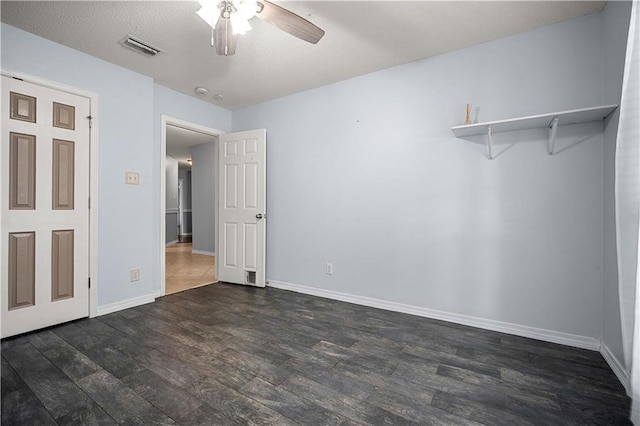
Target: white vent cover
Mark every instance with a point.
(139, 46)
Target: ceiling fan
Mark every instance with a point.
(231, 17)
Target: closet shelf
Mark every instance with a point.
(540, 121)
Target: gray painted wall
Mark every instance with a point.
(366, 174)
(171, 179)
(185, 199)
(203, 192)
(187, 223)
(171, 200)
(185, 196)
(129, 110)
(171, 227)
(615, 27)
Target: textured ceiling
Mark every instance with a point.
(361, 37)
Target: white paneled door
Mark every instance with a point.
(242, 208)
(44, 224)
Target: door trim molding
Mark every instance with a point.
(164, 121)
(93, 173)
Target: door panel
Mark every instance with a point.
(22, 269)
(250, 186)
(63, 174)
(230, 239)
(242, 212)
(22, 171)
(231, 186)
(44, 194)
(251, 247)
(61, 264)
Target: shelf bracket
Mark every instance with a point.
(553, 128)
(490, 142)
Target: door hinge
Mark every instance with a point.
(89, 281)
(90, 118)
(89, 203)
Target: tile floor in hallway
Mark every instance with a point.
(185, 270)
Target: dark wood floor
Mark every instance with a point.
(226, 354)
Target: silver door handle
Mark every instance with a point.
(260, 216)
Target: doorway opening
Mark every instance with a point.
(189, 200)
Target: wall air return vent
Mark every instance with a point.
(139, 46)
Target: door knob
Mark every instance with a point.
(259, 216)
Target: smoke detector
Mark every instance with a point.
(201, 91)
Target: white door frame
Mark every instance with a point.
(93, 174)
(164, 121)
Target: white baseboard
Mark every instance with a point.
(616, 366)
(206, 253)
(503, 327)
(126, 304)
(170, 243)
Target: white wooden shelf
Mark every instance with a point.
(540, 121)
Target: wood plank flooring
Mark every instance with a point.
(226, 354)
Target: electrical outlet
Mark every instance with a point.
(329, 269)
(135, 275)
(132, 178)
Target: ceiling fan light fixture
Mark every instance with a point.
(224, 40)
(245, 8)
(240, 13)
(239, 24)
(232, 17)
(209, 12)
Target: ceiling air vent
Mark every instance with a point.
(139, 46)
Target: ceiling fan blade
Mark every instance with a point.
(289, 22)
(223, 38)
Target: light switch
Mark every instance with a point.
(133, 178)
(135, 275)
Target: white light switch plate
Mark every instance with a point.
(135, 275)
(133, 178)
(329, 269)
